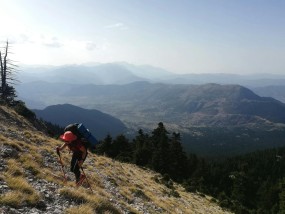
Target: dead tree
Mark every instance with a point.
(8, 71)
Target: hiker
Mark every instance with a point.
(79, 155)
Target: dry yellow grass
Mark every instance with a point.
(125, 192)
(14, 144)
(27, 134)
(80, 195)
(77, 195)
(12, 198)
(21, 192)
(20, 184)
(84, 208)
(29, 163)
(13, 168)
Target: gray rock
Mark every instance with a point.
(41, 205)
(9, 152)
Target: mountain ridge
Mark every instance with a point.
(166, 102)
(123, 73)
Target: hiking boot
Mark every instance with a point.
(82, 177)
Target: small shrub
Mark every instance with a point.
(156, 179)
(140, 193)
(174, 193)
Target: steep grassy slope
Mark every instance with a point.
(31, 180)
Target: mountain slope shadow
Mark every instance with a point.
(100, 124)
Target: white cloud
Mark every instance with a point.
(91, 46)
(118, 25)
(52, 42)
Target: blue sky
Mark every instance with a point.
(182, 36)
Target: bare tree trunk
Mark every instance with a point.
(7, 92)
(1, 66)
(5, 63)
(4, 79)
(2, 76)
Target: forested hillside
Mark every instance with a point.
(252, 183)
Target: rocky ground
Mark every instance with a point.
(52, 202)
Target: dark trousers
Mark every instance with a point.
(74, 164)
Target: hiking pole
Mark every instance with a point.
(86, 179)
(62, 167)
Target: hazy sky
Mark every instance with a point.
(183, 36)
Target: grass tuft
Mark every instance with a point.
(12, 199)
(74, 195)
(17, 199)
(13, 168)
(27, 134)
(19, 183)
(30, 164)
(80, 197)
(104, 206)
(13, 145)
(140, 193)
(83, 208)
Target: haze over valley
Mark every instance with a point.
(143, 96)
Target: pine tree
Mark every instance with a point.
(104, 148)
(160, 144)
(178, 158)
(121, 149)
(282, 197)
(142, 150)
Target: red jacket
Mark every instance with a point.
(76, 145)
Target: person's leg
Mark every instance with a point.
(74, 166)
(85, 156)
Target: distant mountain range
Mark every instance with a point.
(124, 73)
(99, 124)
(179, 105)
(210, 110)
